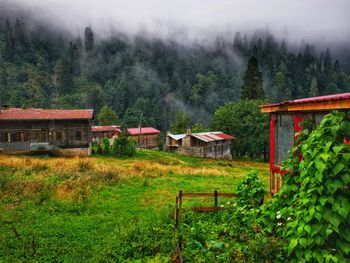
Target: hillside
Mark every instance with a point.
(102, 208)
(43, 67)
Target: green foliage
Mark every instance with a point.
(244, 120)
(198, 127)
(181, 123)
(312, 210)
(106, 116)
(124, 146)
(252, 88)
(232, 235)
(251, 191)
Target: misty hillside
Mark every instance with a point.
(40, 67)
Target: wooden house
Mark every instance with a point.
(285, 120)
(146, 137)
(104, 132)
(216, 145)
(61, 132)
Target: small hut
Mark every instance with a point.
(216, 145)
(62, 132)
(285, 121)
(146, 137)
(104, 132)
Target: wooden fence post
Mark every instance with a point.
(177, 212)
(180, 199)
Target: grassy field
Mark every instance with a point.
(102, 209)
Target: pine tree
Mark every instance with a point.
(252, 82)
(181, 123)
(238, 43)
(106, 116)
(327, 60)
(20, 37)
(9, 42)
(89, 39)
(314, 88)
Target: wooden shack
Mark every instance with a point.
(104, 132)
(216, 145)
(146, 137)
(61, 132)
(285, 120)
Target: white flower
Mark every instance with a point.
(278, 216)
(279, 223)
(228, 203)
(221, 205)
(289, 218)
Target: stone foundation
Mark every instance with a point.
(73, 152)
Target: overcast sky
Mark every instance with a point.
(296, 20)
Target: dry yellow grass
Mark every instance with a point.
(78, 177)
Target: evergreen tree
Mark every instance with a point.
(64, 75)
(314, 88)
(328, 60)
(89, 39)
(181, 123)
(106, 116)
(20, 36)
(252, 82)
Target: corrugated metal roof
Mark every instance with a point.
(205, 136)
(144, 130)
(44, 114)
(177, 136)
(107, 128)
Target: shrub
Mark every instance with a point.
(124, 146)
(313, 209)
(251, 191)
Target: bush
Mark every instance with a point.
(312, 211)
(251, 191)
(124, 146)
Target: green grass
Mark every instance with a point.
(103, 209)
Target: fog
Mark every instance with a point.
(295, 20)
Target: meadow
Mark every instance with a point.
(103, 209)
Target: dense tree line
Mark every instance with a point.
(156, 77)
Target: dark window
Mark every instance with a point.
(43, 137)
(59, 136)
(3, 137)
(78, 135)
(15, 137)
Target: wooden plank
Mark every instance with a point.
(206, 209)
(207, 194)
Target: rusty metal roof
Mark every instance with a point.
(107, 128)
(212, 136)
(44, 114)
(144, 130)
(205, 136)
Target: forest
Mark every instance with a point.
(43, 67)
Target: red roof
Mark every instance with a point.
(108, 128)
(342, 99)
(212, 136)
(144, 130)
(44, 114)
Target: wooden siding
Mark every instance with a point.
(59, 133)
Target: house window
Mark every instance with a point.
(3, 137)
(59, 136)
(284, 137)
(15, 137)
(77, 135)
